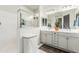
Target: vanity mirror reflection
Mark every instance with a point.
(76, 21)
(59, 20)
(44, 21)
(65, 18)
(25, 19)
(66, 21)
(28, 19)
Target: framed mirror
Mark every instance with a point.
(66, 21)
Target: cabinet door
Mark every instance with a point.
(62, 42)
(44, 37)
(30, 45)
(49, 38)
(73, 44)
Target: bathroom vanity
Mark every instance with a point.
(67, 40)
(29, 40)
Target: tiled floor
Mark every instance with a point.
(9, 46)
(48, 49)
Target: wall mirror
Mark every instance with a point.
(25, 19)
(66, 21)
(76, 21)
(29, 19)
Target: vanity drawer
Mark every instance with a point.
(55, 33)
(73, 34)
(62, 34)
(68, 34)
(55, 44)
(55, 39)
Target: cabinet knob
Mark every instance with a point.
(67, 38)
(0, 23)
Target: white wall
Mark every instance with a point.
(42, 14)
(8, 31)
(52, 19)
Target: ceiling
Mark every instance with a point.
(34, 8)
(13, 8)
(54, 7)
(47, 7)
(9, 8)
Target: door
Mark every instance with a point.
(30, 45)
(62, 41)
(49, 38)
(44, 37)
(73, 44)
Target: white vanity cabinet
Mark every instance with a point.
(46, 37)
(62, 41)
(43, 37)
(73, 44)
(30, 44)
(69, 41)
(49, 38)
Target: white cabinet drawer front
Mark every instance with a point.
(55, 33)
(69, 34)
(55, 44)
(49, 38)
(56, 38)
(63, 34)
(62, 42)
(73, 34)
(46, 37)
(49, 41)
(30, 45)
(55, 41)
(50, 33)
(73, 44)
(43, 37)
